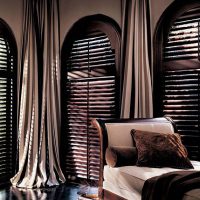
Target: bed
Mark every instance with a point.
(126, 182)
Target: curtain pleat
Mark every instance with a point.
(39, 109)
(137, 88)
(127, 57)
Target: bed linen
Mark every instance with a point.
(128, 181)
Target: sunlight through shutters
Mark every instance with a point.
(181, 81)
(91, 93)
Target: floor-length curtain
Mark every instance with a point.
(136, 41)
(39, 102)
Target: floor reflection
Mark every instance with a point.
(67, 192)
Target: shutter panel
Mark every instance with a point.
(181, 79)
(181, 102)
(91, 93)
(6, 110)
(183, 38)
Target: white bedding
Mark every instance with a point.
(128, 181)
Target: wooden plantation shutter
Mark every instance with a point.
(181, 79)
(91, 93)
(183, 40)
(7, 105)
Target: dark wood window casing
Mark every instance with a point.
(90, 83)
(177, 72)
(8, 61)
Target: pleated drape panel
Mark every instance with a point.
(39, 97)
(137, 85)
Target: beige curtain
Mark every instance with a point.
(39, 99)
(137, 86)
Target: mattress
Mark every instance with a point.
(131, 178)
(133, 195)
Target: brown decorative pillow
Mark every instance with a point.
(160, 150)
(117, 156)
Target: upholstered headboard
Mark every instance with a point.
(117, 132)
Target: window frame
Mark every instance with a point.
(82, 27)
(174, 11)
(7, 33)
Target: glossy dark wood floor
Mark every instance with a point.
(63, 192)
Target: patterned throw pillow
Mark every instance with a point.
(160, 150)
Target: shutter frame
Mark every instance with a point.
(88, 88)
(8, 103)
(91, 26)
(180, 92)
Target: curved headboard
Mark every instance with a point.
(111, 130)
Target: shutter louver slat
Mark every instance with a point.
(91, 92)
(192, 14)
(84, 56)
(181, 102)
(180, 77)
(84, 60)
(94, 47)
(7, 100)
(183, 39)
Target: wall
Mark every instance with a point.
(73, 10)
(11, 13)
(157, 8)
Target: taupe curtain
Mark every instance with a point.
(136, 60)
(39, 99)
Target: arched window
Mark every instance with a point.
(177, 71)
(8, 64)
(90, 62)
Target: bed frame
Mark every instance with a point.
(100, 126)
